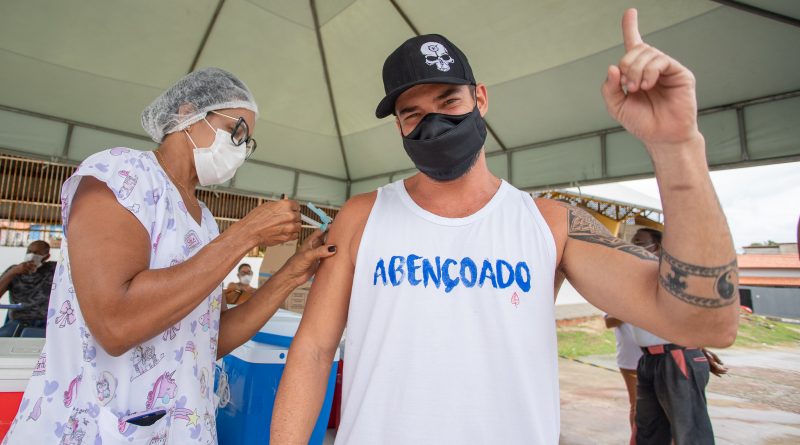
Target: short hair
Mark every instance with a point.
(656, 235)
(40, 243)
(242, 266)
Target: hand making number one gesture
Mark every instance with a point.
(658, 103)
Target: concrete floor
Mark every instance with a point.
(757, 403)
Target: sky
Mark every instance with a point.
(761, 203)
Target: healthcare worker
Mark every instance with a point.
(136, 317)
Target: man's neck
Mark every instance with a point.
(458, 198)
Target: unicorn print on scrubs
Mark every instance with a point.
(66, 315)
(89, 351)
(128, 184)
(73, 434)
(172, 332)
(72, 390)
(144, 359)
(41, 364)
(106, 388)
(164, 390)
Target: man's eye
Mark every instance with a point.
(451, 101)
(412, 116)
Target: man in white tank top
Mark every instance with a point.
(446, 280)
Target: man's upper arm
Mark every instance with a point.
(613, 275)
(328, 301)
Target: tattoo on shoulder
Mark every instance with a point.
(584, 227)
(685, 281)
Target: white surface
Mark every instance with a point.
(283, 323)
(260, 353)
(18, 357)
(628, 351)
(646, 338)
(569, 295)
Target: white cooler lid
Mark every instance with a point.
(262, 353)
(280, 329)
(18, 357)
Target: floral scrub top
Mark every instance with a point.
(79, 394)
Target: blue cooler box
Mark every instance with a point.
(254, 371)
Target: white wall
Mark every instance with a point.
(568, 295)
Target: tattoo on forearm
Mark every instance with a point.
(584, 227)
(684, 280)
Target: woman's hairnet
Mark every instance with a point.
(191, 98)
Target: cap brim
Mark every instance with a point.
(386, 105)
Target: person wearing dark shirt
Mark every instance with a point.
(29, 284)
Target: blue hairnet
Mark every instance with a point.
(191, 98)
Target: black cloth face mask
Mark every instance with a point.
(445, 146)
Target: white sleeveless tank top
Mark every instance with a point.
(451, 330)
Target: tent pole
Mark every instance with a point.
(327, 73)
(205, 36)
(760, 12)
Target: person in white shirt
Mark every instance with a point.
(671, 381)
(628, 354)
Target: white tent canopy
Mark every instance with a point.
(77, 73)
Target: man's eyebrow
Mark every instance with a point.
(407, 110)
(447, 93)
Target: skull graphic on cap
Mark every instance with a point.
(436, 54)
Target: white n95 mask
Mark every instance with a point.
(34, 258)
(218, 163)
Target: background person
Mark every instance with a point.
(28, 283)
(238, 293)
(628, 354)
(671, 381)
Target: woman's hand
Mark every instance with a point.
(303, 264)
(272, 223)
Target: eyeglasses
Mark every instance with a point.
(241, 134)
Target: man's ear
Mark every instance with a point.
(397, 124)
(482, 98)
(46, 257)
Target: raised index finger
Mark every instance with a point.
(630, 29)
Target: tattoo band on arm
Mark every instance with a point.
(584, 227)
(708, 287)
(684, 281)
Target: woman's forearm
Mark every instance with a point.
(239, 324)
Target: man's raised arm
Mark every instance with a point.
(688, 295)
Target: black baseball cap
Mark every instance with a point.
(429, 58)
